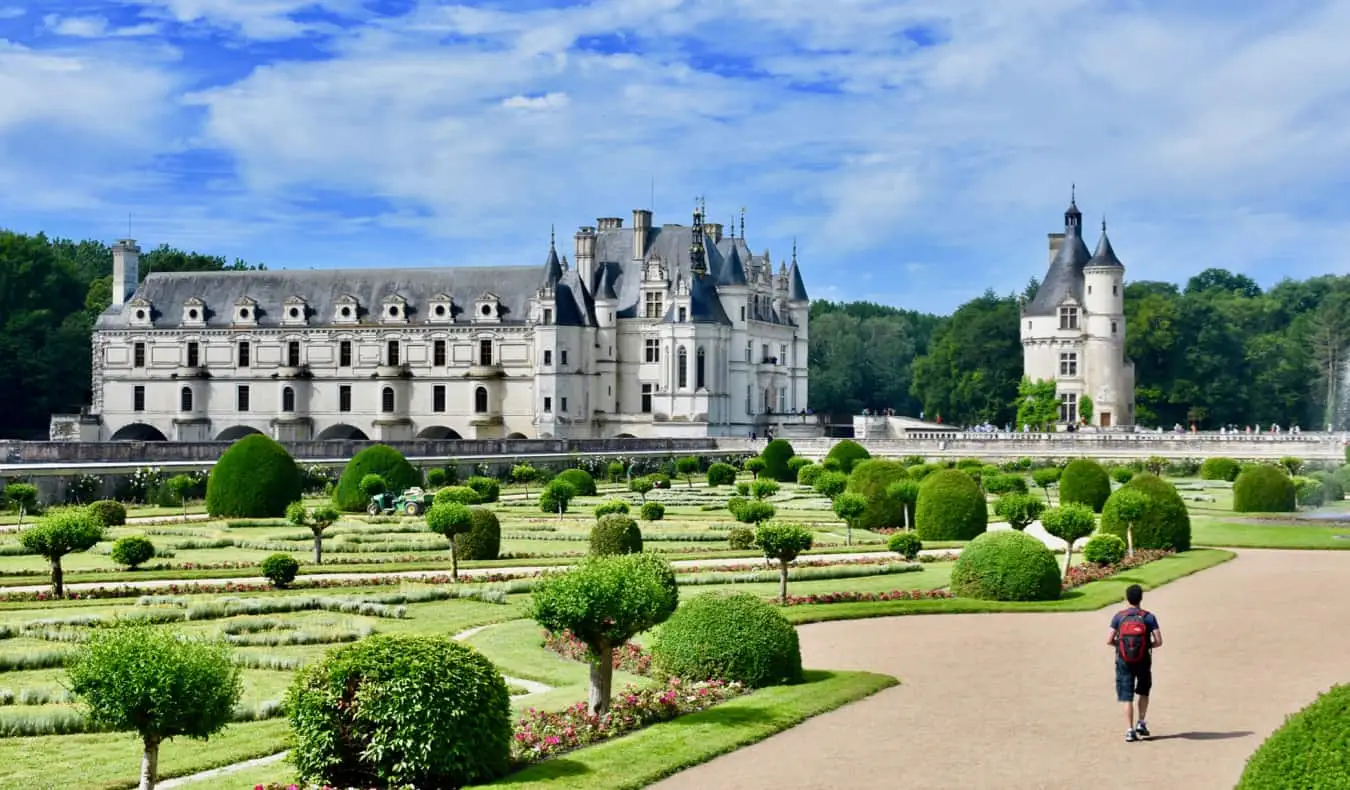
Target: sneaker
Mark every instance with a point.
(1141, 730)
(1131, 736)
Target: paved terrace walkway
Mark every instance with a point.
(1015, 701)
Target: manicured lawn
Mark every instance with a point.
(1206, 532)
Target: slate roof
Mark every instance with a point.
(732, 272)
(1105, 254)
(1064, 279)
(796, 288)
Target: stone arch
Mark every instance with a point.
(342, 433)
(517, 435)
(139, 432)
(438, 432)
(236, 432)
(480, 400)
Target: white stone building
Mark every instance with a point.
(1073, 331)
(663, 331)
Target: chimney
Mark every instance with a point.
(609, 223)
(642, 223)
(585, 254)
(126, 270)
(714, 231)
(1056, 241)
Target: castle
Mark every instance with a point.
(1073, 330)
(651, 331)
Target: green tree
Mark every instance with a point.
(642, 486)
(157, 683)
(1130, 506)
(971, 372)
(23, 497)
(524, 474)
(906, 492)
(1044, 478)
(450, 519)
(1085, 408)
(180, 488)
(1069, 522)
(1019, 510)
(372, 485)
(783, 543)
(1037, 404)
(61, 532)
(687, 466)
(848, 507)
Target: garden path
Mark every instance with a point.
(1015, 701)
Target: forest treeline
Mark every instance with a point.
(1218, 350)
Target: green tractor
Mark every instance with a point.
(413, 502)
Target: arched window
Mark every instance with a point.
(682, 368)
(387, 400)
(480, 400)
(287, 399)
(185, 399)
(700, 369)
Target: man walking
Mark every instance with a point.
(1134, 637)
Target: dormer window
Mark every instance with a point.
(347, 310)
(394, 310)
(245, 311)
(1068, 317)
(194, 312)
(295, 311)
(654, 271)
(442, 309)
(487, 309)
(140, 312)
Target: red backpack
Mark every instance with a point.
(1132, 636)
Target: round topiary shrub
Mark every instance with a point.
(460, 494)
(950, 507)
(132, 551)
(906, 544)
(752, 511)
(741, 539)
(848, 453)
(1104, 549)
(1164, 524)
(556, 496)
(652, 511)
(1006, 566)
(730, 638)
(1311, 749)
(487, 487)
(721, 475)
(108, 513)
(807, 475)
(1005, 484)
(580, 480)
(483, 541)
(795, 463)
(254, 478)
(871, 478)
(611, 506)
(378, 459)
(1085, 482)
(1122, 474)
(280, 569)
(435, 477)
(1225, 469)
(1264, 489)
(615, 534)
(368, 714)
(776, 455)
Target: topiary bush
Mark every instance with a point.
(280, 569)
(755, 466)
(556, 496)
(108, 513)
(1122, 474)
(1104, 549)
(615, 534)
(1264, 489)
(732, 638)
(652, 511)
(1311, 750)
(132, 551)
(763, 489)
(1220, 469)
(460, 494)
(483, 541)
(487, 487)
(752, 511)
(1309, 492)
(400, 710)
(1084, 482)
(808, 474)
(378, 459)
(871, 478)
(1006, 566)
(741, 539)
(1019, 510)
(776, 455)
(906, 544)
(950, 507)
(1331, 486)
(1164, 524)
(1004, 484)
(721, 475)
(848, 453)
(611, 506)
(580, 480)
(254, 478)
(795, 463)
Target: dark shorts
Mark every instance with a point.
(1132, 679)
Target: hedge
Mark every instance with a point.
(1264, 489)
(871, 478)
(108, 512)
(1220, 469)
(254, 478)
(1104, 549)
(580, 480)
(721, 474)
(1006, 566)
(483, 541)
(1085, 482)
(730, 638)
(487, 487)
(378, 459)
(776, 454)
(950, 507)
(848, 453)
(615, 534)
(1165, 524)
(1311, 749)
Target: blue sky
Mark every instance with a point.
(918, 151)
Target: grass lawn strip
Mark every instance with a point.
(1304, 535)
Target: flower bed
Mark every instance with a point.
(628, 657)
(1079, 575)
(854, 597)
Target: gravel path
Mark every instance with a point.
(1014, 701)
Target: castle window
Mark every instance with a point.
(1068, 364)
(1089, 289)
(682, 370)
(782, 353)
(652, 348)
(684, 315)
(391, 353)
(345, 354)
(548, 357)
(293, 354)
(287, 399)
(438, 398)
(138, 398)
(1113, 327)
(1068, 407)
(562, 405)
(138, 355)
(438, 353)
(700, 369)
(742, 313)
(749, 349)
(1068, 318)
(387, 400)
(345, 397)
(185, 399)
(646, 399)
(241, 398)
(1115, 290)
(548, 405)
(562, 356)
(653, 307)
(548, 316)
(193, 356)
(480, 400)
(245, 355)
(484, 352)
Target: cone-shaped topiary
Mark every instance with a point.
(871, 478)
(1311, 749)
(1006, 566)
(1085, 482)
(776, 455)
(730, 638)
(1264, 489)
(848, 453)
(1164, 524)
(950, 507)
(254, 478)
(378, 459)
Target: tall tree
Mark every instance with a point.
(972, 370)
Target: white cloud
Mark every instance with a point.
(94, 27)
(544, 102)
(255, 19)
(12, 12)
